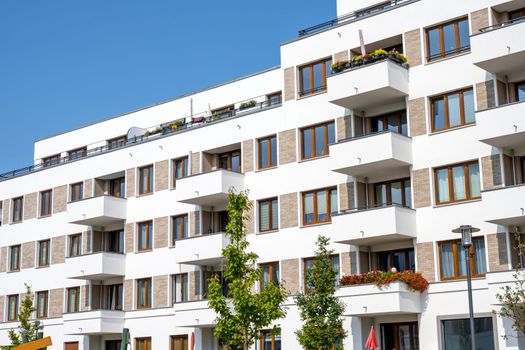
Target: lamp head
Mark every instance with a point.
(466, 234)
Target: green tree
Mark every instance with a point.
(243, 313)
(319, 308)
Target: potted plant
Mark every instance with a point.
(357, 61)
(248, 104)
(155, 131)
(197, 119)
(367, 58)
(397, 56)
(380, 54)
(338, 66)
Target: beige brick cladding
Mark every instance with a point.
(346, 196)
(289, 83)
(195, 163)
(288, 210)
(247, 156)
(86, 237)
(5, 212)
(161, 175)
(497, 252)
(194, 277)
(130, 182)
(485, 95)
(417, 117)
(88, 188)
(341, 56)
(491, 171)
(160, 232)
(346, 263)
(290, 275)
(128, 295)
(3, 259)
(413, 47)
(100, 187)
(425, 260)
(344, 127)
(58, 250)
(84, 298)
(479, 19)
(28, 255)
(129, 236)
(30, 205)
(56, 302)
(59, 199)
(421, 187)
(503, 98)
(194, 223)
(209, 161)
(2, 303)
(353, 262)
(287, 148)
(160, 291)
(509, 171)
(250, 223)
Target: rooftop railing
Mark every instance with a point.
(501, 25)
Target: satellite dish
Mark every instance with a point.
(134, 133)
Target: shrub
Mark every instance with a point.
(414, 280)
(379, 53)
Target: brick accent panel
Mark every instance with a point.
(491, 170)
(247, 156)
(2, 303)
(100, 187)
(485, 94)
(28, 255)
(161, 175)
(130, 182)
(502, 93)
(346, 196)
(56, 302)
(58, 250)
(479, 19)
(287, 147)
(250, 223)
(85, 242)
(88, 188)
(497, 252)
(288, 210)
(344, 127)
(417, 117)
(129, 237)
(59, 199)
(289, 83)
(209, 161)
(413, 47)
(341, 56)
(195, 163)
(195, 282)
(30, 205)
(194, 223)
(128, 295)
(3, 259)
(421, 188)
(160, 291)
(290, 275)
(507, 165)
(160, 232)
(84, 298)
(346, 264)
(425, 260)
(5, 212)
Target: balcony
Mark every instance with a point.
(500, 49)
(380, 154)
(369, 300)
(194, 314)
(210, 188)
(382, 82)
(372, 226)
(97, 211)
(201, 250)
(97, 322)
(96, 266)
(502, 127)
(504, 206)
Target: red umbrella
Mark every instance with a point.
(192, 343)
(371, 342)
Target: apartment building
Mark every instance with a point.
(120, 223)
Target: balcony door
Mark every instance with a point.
(399, 336)
(112, 345)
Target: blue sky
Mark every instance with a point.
(66, 63)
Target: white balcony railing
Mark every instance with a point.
(96, 266)
(97, 211)
(201, 250)
(503, 126)
(504, 206)
(209, 188)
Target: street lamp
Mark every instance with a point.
(466, 242)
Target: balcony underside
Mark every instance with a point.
(504, 206)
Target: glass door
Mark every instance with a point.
(399, 336)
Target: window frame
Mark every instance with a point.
(391, 254)
(516, 89)
(324, 75)
(230, 155)
(442, 52)
(271, 265)
(77, 153)
(185, 169)
(185, 225)
(116, 142)
(114, 187)
(444, 97)
(74, 241)
(269, 149)
(325, 125)
(147, 294)
(80, 187)
(148, 172)
(388, 184)
(313, 258)
(278, 95)
(451, 183)
(16, 297)
(51, 160)
(40, 244)
(38, 313)
(46, 203)
(146, 341)
(520, 11)
(14, 264)
(149, 236)
(268, 332)
(17, 202)
(270, 201)
(184, 339)
(400, 114)
(186, 285)
(328, 205)
(75, 293)
(472, 252)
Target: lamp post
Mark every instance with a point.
(466, 242)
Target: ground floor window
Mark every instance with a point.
(179, 342)
(456, 334)
(270, 340)
(402, 336)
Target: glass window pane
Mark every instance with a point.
(331, 133)
(479, 256)
(454, 110)
(265, 216)
(464, 35)
(333, 202)
(273, 151)
(396, 192)
(408, 194)
(475, 184)
(458, 179)
(468, 103)
(307, 143)
(320, 147)
(328, 67)
(433, 43)
(308, 207)
(318, 76)
(236, 162)
(456, 334)
(439, 114)
(447, 260)
(520, 92)
(263, 153)
(462, 263)
(275, 214)
(393, 122)
(449, 38)
(322, 210)
(442, 186)
(305, 78)
(380, 191)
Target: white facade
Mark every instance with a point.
(360, 165)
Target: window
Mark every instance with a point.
(268, 215)
(270, 340)
(144, 293)
(43, 253)
(77, 153)
(112, 344)
(117, 187)
(45, 202)
(145, 236)
(274, 99)
(76, 192)
(452, 110)
(312, 77)
(143, 343)
(117, 142)
(520, 91)
(223, 112)
(113, 296)
(315, 140)
(41, 304)
(179, 342)
(14, 258)
(180, 169)
(403, 335)
(74, 244)
(517, 14)
(448, 39)
(522, 161)
(12, 308)
(18, 209)
(452, 259)
(401, 259)
(309, 263)
(319, 206)
(270, 274)
(395, 122)
(456, 183)
(51, 160)
(267, 152)
(179, 227)
(73, 299)
(456, 334)
(230, 161)
(114, 241)
(180, 288)
(395, 192)
(146, 179)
